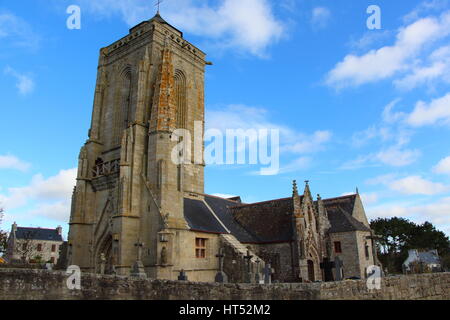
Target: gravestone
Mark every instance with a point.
(138, 269)
(268, 274)
(327, 267)
(221, 277)
(257, 276)
(249, 257)
(182, 276)
(338, 267)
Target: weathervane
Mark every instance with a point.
(158, 2)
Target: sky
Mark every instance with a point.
(355, 107)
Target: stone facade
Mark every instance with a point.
(134, 205)
(43, 285)
(34, 245)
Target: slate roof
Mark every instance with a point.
(263, 222)
(268, 221)
(340, 214)
(200, 218)
(38, 234)
(221, 208)
(429, 257)
(342, 221)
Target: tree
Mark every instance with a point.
(3, 235)
(26, 248)
(398, 235)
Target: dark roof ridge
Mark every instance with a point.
(262, 202)
(36, 228)
(213, 196)
(341, 197)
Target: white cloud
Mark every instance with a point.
(240, 116)
(320, 17)
(301, 163)
(369, 39)
(434, 212)
(436, 111)
(436, 69)
(414, 185)
(59, 211)
(308, 144)
(12, 162)
(248, 25)
(382, 179)
(388, 61)
(410, 185)
(17, 32)
(425, 7)
(369, 198)
(388, 115)
(24, 84)
(443, 166)
(48, 196)
(393, 156)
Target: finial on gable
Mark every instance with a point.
(307, 191)
(294, 188)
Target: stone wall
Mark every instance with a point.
(45, 285)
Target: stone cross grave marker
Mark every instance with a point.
(338, 266)
(268, 274)
(249, 257)
(221, 276)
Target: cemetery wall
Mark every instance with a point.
(46, 285)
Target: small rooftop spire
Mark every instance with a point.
(294, 188)
(357, 190)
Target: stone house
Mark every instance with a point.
(134, 206)
(34, 244)
(421, 261)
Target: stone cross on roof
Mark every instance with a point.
(158, 2)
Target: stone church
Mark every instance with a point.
(136, 211)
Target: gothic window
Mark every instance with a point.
(366, 247)
(179, 177)
(337, 247)
(200, 248)
(123, 108)
(160, 172)
(180, 98)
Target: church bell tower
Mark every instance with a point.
(128, 201)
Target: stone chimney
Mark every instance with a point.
(59, 230)
(14, 228)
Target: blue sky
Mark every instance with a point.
(355, 107)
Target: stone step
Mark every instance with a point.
(240, 248)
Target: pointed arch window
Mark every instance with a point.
(180, 99)
(123, 108)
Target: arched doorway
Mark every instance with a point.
(311, 270)
(104, 256)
